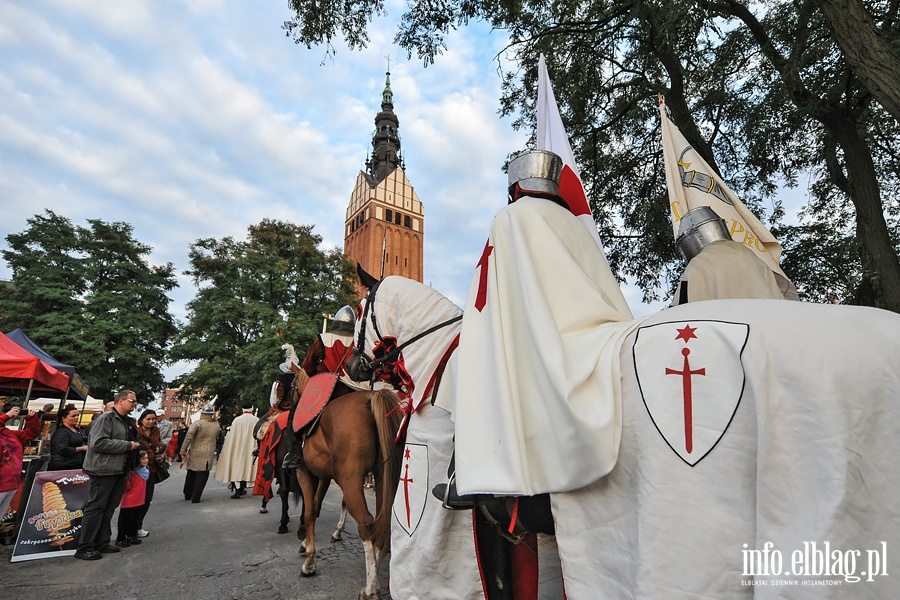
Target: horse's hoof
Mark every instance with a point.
(336, 538)
(364, 596)
(282, 529)
(304, 573)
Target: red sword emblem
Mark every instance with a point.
(406, 481)
(686, 373)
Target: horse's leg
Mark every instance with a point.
(308, 485)
(338, 534)
(372, 557)
(301, 529)
(284, 492)
(356, 505)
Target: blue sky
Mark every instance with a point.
(197, 118)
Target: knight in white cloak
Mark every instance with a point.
(535, 402)
(719, 268)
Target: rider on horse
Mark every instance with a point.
(530, 345)
(330, 351)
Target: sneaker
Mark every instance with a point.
(122, 543)
(134, 541)
(88, 555)
(142, 533)
(109, 550)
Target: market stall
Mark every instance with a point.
(21, 371)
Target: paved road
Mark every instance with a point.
(220, 548)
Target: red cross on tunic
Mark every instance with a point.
(687, 392)
(406, 479)
(481, 296)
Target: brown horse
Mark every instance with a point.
(354, 436)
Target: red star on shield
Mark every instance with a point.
(686, 334)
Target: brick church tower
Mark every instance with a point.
(384, 225)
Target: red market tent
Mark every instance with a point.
(76, 384)
(21, 370)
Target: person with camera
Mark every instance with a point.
(12, 452)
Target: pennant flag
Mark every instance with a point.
(692, 183)
(551, 136)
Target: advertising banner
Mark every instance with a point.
(52, 519)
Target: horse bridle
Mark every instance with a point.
(361, 367)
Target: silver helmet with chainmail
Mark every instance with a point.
(699, 228)
(343, 322)
(535, 171)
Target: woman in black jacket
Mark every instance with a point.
(68, 445)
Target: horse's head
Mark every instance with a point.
(395, 315)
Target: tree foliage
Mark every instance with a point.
(88, 296)
(253, 296)
(762, 91)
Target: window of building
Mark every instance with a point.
(388, 215)
(407, 222)
(359, 220)
(397, 218)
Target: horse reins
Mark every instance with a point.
(389, 356)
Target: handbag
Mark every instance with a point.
(162, 470)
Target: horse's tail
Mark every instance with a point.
(387, 421)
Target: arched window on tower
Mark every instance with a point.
(388, 215)
(407, 222)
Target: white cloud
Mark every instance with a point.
(198, 119)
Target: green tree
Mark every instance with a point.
(253, 296)
(762, 99)
(88, 296)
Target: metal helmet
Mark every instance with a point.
(343, 322)
(699, 228)
(208, 409)
(535, 171)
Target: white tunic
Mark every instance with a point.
(535, 399)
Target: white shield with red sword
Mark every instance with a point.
(691, 380)
(409, 503)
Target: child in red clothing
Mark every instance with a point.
(132, 501)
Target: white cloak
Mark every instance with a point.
(236, 462)
(808, 458)
(535, 400)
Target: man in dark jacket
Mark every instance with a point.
(110, 456)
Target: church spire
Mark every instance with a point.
(387, 96)
(385, 140)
